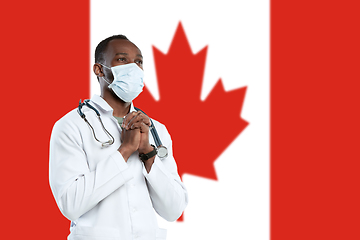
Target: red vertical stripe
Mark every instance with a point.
(315, 103)
(45, 62)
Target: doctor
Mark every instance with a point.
(111, 191)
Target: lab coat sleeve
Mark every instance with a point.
(77, 189)
(168, 194)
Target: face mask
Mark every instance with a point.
(128, 81)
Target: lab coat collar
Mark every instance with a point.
(104, 106)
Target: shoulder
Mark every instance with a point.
(71, 118)
(68, 124)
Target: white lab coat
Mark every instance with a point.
(104, 196)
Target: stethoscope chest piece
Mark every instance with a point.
(162, 152)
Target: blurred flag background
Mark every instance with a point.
(292, 172)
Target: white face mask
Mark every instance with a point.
(128, 81)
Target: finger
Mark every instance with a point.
(128, 118)
(135, 125)
(144, 128)
(139, 117)
(135, 119)
(145, 118)
(140, 125)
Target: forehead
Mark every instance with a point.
(116, 46)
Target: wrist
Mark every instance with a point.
(146, 149)
(148, 154)
(125, 152)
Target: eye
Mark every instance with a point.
(122, 59)
(139, 62)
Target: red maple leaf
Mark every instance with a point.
(200, 130)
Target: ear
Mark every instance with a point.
(97, 68)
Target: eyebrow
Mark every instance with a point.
(138, 55)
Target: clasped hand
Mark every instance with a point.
(135, 134)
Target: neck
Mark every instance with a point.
(121, 108)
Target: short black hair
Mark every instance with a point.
(101, 47)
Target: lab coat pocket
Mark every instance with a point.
(94, 233)
(161, 234)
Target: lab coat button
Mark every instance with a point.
(134, 209)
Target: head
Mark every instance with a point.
(113, 51)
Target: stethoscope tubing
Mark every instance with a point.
(153, 130)
(83, 116)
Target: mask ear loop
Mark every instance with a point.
(105, 80)
(104, 77)
(105, 66)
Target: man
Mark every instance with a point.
(107, 181)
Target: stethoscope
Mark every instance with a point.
(162, 151)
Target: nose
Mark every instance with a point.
(137, 62)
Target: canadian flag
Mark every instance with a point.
(260, 97)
